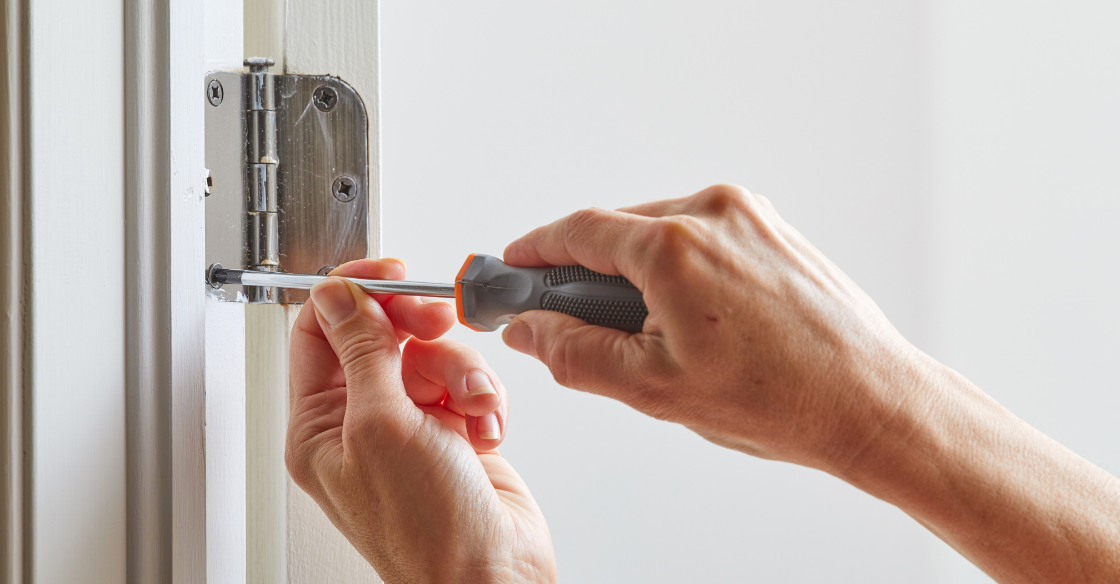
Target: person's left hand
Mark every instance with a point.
(398, 448)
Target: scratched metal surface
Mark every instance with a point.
(314, 148)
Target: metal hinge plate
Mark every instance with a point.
(316, 215)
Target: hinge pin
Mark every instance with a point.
(264, 238)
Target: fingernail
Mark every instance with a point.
(399, 261)
(488, 427)
(478, 383)
(519, 337)
(333, 300)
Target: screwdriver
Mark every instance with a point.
(489, 293)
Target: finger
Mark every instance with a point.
(423, 320)
(372, 269)
(421, 390)
(586, 357)
(714, 201)
(662, 208)
(365, 344)
(470, 382)
(601, 240)
(460, 425)
(313, 365)
(487, 432)
(410, 316)
(448, 418)
(316, 394)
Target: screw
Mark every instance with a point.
(214, 92)
(323, 271)
(345, 189)
(325, 98)
(211, 278)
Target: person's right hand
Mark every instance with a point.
(757, 342)
(754, 339)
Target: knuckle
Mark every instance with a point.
(763, 202)
(299, 466)
(365, 344)
(563, 359)
(585, 219)
(724, 199)
(676, 237)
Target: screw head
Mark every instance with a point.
(211, 278)
(345, 189)
(323, 271)
(214, 92)
(325, 98)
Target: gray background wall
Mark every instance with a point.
(960, 160)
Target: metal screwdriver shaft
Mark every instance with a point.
(489, 293)
(219, 276)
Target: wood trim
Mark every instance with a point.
(267, 329)
(225, 442)
(225, 362)
(76, 483)
(148, 332)
(15, 330)
(340, 38)
(177, 510)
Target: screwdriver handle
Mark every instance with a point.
(490, 293)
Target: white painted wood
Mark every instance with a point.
(225, 443)
(147, 322)
(14, 214)
(78, 336)
(266, 422)
(104, 186)
(264, 30)
(339, 38)
(188, 315)
(225, 363)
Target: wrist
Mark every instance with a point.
(890, 397)
(909, 429)
(1014, 502)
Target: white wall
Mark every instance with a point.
(886, 131)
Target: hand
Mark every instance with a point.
(757, 342)
(754, 339)
(399, 449)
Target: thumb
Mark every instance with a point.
(581, 356)
(362, 337)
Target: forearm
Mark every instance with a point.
(1016, 503)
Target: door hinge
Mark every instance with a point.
(288, 183)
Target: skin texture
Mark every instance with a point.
(757, 342)
(754, 340)
(388, 442)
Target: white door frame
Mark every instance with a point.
(123, 422)
(103, 329)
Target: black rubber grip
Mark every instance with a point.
(627, 315)
(491, 293)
